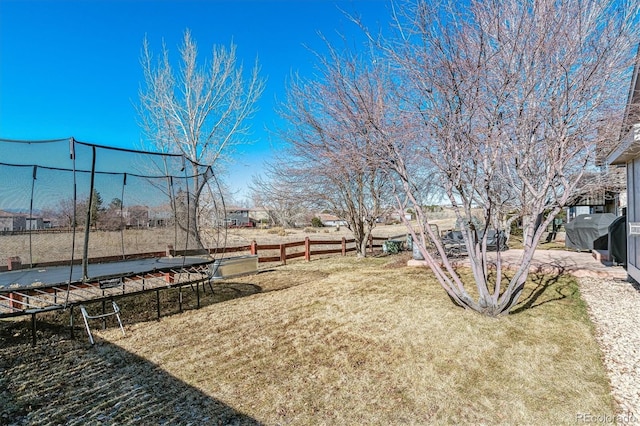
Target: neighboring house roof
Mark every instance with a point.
(324, 217)
(597, 188)
(8, 214)
(632, 110)
(629, 146)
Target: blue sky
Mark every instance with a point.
(71, 68)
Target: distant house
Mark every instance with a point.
(10, 222)
(15, 222)
(34, 223)
(133, 216)
(238, 217)
(331, 220)
(259, 214)
(607, 194)
(394, 217)
(160, 216)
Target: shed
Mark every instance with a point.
(584, 230)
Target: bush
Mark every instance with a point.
(516, 229)
(316, 222)
(280, 231)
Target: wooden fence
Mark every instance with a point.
(283, 252)
(306, 248)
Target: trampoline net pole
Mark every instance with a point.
(87, 224)
(121, 221)
(30, 221)
(72, 225)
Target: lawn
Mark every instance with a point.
(333, 341)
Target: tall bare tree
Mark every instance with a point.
(328, 161)
(283, 208)
(199, 111)
(508, 101)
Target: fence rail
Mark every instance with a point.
(39, 231)
(345, 246)
(284, 250)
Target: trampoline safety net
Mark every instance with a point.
(65, 200)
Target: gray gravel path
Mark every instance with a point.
(614, 308)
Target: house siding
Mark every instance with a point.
(628, 152)
(633, 215)
(13, 223)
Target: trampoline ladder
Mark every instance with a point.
(87, 317)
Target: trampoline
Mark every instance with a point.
(67, 206)
(35, 290)
(52, 276)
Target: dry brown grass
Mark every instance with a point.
(333, 341)
(348, 341)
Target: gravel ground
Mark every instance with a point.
(614, 307)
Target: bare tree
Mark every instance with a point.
(200, 112)
(328, 162)
(65, 213)
(283, 208)
(508, 102)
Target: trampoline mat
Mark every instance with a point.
(59, 275)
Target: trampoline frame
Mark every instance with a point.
(32, 300)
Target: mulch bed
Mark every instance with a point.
(67, 381)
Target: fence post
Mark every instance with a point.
(13, 263)
(254, 247)
(371, 243)
(344, 246)
(283, 254)
(307, 249)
